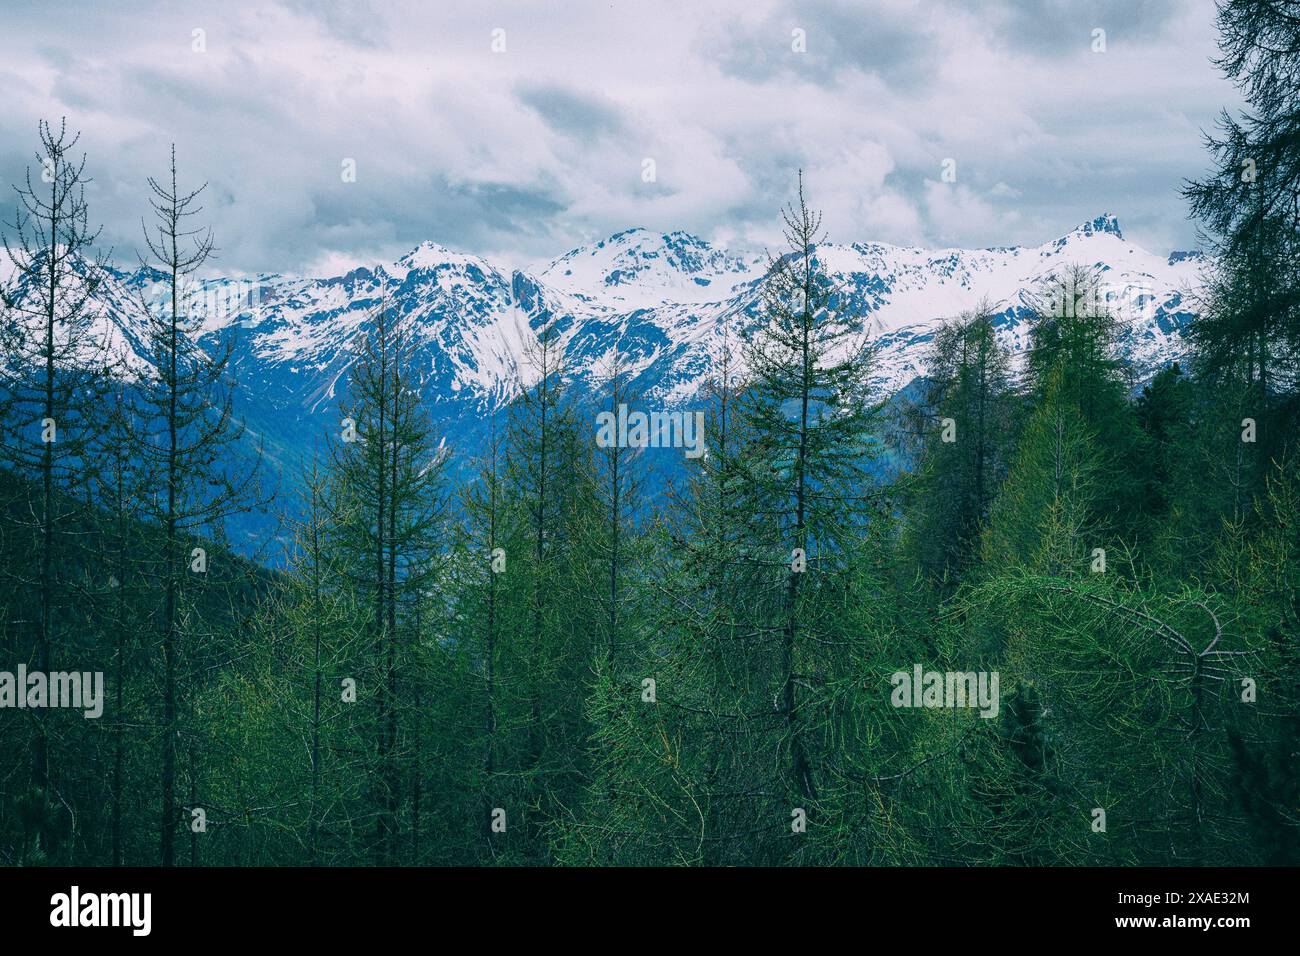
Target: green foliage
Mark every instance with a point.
(966, 423)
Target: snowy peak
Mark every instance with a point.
(1105, 224)
(642, 268)
(437, 259)
(659, 301)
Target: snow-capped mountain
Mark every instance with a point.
(659, 301)
(639, 269)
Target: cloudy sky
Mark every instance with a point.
(522, 153)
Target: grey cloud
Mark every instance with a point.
(571, 112)
(528, 153)
(359, 21)
(400, 215)
(1048, 27)
(840, 36)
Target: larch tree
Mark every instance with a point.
(122, 487)
(482, 683)
(545, 478)
(55, 368)
(967, 419)
(610, 536)
(188, 435)
(805, 474)
(388, 466)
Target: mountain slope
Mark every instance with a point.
(661, 301)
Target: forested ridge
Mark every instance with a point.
(568, 659)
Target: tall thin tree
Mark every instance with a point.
(54, 369)
(187, 431)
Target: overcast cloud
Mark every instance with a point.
(523, 154)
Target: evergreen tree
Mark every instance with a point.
(387, 470)
(966, 417)
(320, 628)
(1074, 350)
(1248, 335)
(610, 535)
(483, 680)
(552, 646)
(676, 729)
(1043, 518)
(807, 411)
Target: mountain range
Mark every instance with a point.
(661, 300)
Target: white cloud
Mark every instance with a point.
(529, 152)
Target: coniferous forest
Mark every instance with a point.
(546, 650)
